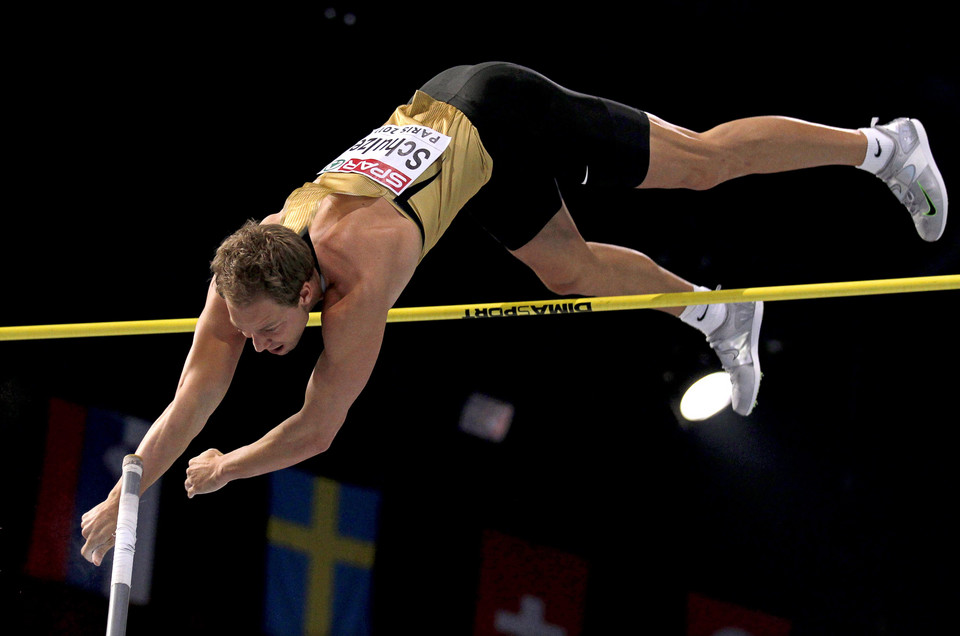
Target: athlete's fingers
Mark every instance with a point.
(101, 552)
(95, 549)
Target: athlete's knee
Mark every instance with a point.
(558, 255)
(712, 164)
(734, 150)
(703, 176)
(562, 277)
(699, 163)
(561, 283)
(683, 158)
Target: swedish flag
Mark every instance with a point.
(321, 543)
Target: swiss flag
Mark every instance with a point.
(707, 617)
(529, 589)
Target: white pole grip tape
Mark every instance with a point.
(127, 521)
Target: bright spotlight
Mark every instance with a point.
(706, 397)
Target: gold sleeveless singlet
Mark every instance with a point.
(464, 167)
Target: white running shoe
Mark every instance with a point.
(735, 342)
(913, 176)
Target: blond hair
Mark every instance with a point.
(258, 261)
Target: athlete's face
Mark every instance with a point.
(272, 327)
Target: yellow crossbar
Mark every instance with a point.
(528, 308)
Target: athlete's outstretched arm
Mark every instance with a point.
(206, 376)
(353, 329)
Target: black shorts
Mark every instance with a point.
(542, 138)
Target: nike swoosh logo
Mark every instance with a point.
(705, 308)
(877, 153)
(933, 208)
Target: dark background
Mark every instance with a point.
(139, 141)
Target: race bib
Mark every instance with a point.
(393, 156)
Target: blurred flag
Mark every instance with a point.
(707, 617)
(83, 459)
(321, 544)
(526, 589)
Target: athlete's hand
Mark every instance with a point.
(204, 474)
(98, 526)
